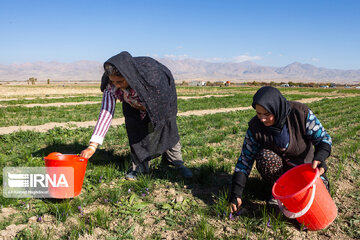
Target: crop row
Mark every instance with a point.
(19, 115)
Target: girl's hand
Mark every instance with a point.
(315, 164)
(235, 207)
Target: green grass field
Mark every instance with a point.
(18, 115)
(162, 205)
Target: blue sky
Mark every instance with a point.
(269, 33)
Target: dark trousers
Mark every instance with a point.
(172, 156)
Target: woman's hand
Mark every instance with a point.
(235, 207)
(315, 164)
(89, 151)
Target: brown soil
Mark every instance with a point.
(19, 92)
(52, 104)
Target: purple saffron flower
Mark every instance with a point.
(231, 217)
(268, 223)
(39, 219)
(81, 210)
(101, 177)
(106, 201)
(304, 228)
(143, 194)
(129, 190)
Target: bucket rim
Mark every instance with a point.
(60, 157)
(310, 184)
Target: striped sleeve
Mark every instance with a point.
(105, 117)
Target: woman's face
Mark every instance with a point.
(267, 118)
(119, 81)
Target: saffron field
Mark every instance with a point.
(162, 205)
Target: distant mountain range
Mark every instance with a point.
(184, 70)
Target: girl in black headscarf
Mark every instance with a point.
(283, 134)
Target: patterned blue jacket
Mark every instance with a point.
(314, 130)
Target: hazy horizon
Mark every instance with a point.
(185, 69)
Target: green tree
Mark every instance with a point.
(291, 83)
(32, 80)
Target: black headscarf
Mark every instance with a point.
(274, 102)
(152, 81)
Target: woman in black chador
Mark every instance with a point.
(147, 91)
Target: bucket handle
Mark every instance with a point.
(289, 214)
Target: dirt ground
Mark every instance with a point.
(31, 91)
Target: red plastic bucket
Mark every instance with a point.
(57, 163)
(305, 197)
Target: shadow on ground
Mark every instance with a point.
(207, 184)
(101, 156)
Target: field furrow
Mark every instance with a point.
(118, 121)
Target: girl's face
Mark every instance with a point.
(267, 118)
(119, 81)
